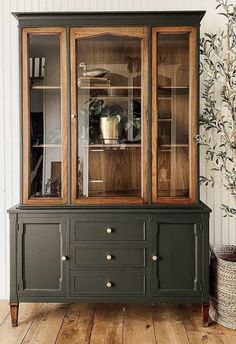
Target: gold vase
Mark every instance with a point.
(109, 129)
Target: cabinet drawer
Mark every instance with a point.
(108, 230)
(107, 257)
(109, 283)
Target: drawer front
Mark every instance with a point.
(108, 230)
(109, 283)
(107, 257)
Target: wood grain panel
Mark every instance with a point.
(4, 311)
(168, 325)
(191, 317)
(138, 324)
(77, 325)
(27, 314)
(104, 330)
(116, 169)
(47, 324)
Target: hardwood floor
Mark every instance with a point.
(110, 324)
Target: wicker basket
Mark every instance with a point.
(223, 286)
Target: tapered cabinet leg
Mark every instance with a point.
(14, 307)
(205, 314)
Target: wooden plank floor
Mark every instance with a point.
(110, 324)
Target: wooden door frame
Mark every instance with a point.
(26, 118)
(193, 99)
(140, 32)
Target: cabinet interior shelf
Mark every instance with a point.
(116, 97)
(47, 145)
(165, 119)
(168, 148)
(45, 87)
(174, 87)
(180, 145)
(121, 145)
(110, 87)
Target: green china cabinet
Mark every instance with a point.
(110, 208)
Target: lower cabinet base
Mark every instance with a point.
(14, 308)
(152, 255)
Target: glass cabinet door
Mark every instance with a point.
(44, 116)
(174, 115)
(109, 81)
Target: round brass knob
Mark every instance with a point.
(109, 257)
(63, 258)
(73, 116)
(154, 258)
(109, 230)
(109, 284)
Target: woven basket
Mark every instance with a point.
(223, 286)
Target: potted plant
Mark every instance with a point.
(218, 136)
(110, 124)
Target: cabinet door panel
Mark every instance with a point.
(44, 116)
(109, 122)
(178, 250)
(174, 115)
(41, 244)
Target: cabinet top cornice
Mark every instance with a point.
(113, 18)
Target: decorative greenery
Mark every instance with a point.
(218, 117)
(95, 108)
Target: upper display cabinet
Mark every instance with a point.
(110, 112)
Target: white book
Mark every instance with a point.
(42, 67)
(36, 67)
(31, 67)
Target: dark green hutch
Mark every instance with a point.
(110, 208)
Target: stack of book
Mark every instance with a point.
(86, 81)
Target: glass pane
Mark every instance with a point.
(173, 115)
(109, 98)
(45, 115)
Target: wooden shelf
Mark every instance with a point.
(45, 87)
(173, 87)
(174, 145)
(47, 145)
(165, 119)
(118, 97)
(168, 148)
(109, 87)
(121, 145)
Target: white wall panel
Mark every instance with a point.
(222, 229)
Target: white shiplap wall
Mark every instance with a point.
(222, 229)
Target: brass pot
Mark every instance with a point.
(109, 129)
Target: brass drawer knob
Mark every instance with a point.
(64, 258)
(109, 284)
(73, 116)
(154, 258)
(109, 230)
(109, 257)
